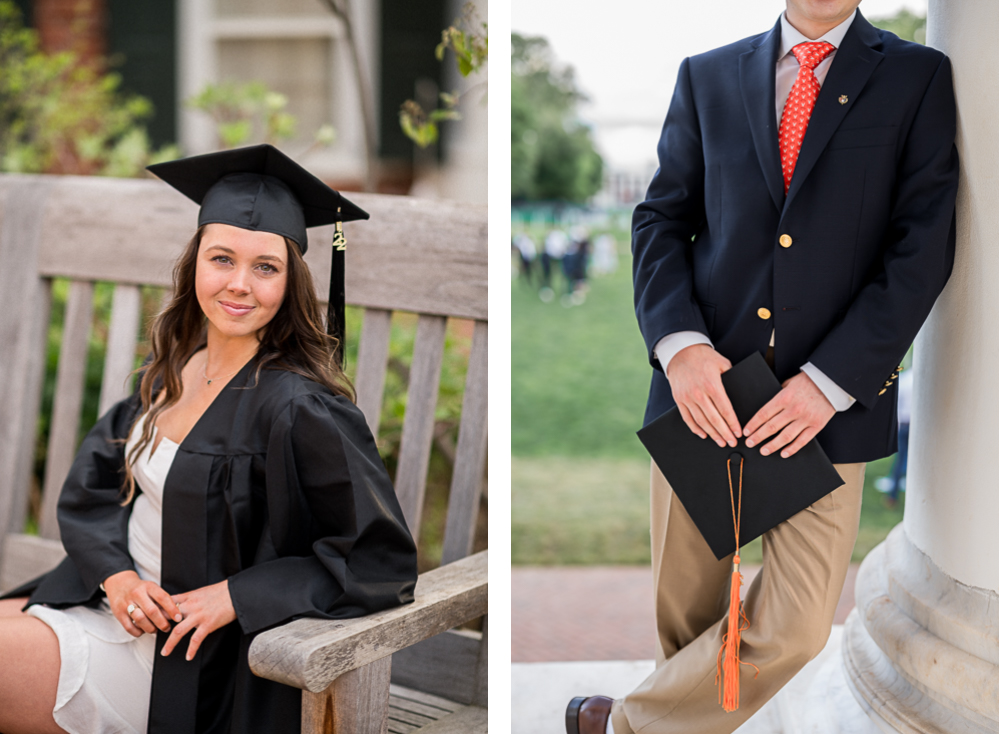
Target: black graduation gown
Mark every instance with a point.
(278, 488)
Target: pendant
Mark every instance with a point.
(210, 381)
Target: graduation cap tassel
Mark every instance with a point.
(728, 663)
(335, 325)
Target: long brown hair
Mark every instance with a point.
(293, 340)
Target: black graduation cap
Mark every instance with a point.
(773, 488)
(261, 189)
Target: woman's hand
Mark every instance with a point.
(152, 604)
(205, 610)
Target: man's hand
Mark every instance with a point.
(799, 412)
(205, 610)
(152, 604)
(695, 381)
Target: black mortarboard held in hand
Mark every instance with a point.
(261, 189)
(734, 495)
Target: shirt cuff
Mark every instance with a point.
(838, 398)
(669, 345)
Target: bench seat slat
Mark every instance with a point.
(68, 400)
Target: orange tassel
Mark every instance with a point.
(728, 662)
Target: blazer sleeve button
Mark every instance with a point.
(764, 313)
(882, 390)
(785, 240)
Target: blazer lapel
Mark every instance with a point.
(757, 86)
(853, 65)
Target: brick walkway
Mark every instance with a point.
(596, 612)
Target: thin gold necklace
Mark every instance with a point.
(208, 380)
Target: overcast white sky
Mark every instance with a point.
(626, 54)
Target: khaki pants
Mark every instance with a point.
(790, 606)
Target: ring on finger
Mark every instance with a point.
(131, 608)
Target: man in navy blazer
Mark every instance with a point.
(829, 278)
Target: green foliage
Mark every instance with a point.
(905, 24)
(59, 114)
(242, 111)
(552, 153)
(471, 49)
(420, 126)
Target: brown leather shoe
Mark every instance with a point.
(588, 715)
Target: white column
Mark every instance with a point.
(920, 650)
(952, 498)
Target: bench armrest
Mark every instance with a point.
(312, 653)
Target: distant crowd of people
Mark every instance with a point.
(562, 262)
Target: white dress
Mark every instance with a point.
(105, 674)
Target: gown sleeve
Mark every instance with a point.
(92, 522)
(338, 544)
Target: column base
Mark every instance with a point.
(920, 649)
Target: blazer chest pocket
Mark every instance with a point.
(863, 137)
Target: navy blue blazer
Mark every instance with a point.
(870, 213)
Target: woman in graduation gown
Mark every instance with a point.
(275, 504)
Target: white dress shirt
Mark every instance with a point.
(785, 72)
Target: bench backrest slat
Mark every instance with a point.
(23, 334)
(68, 400)
(418, 423)
(123, 337)
(373, 356)
(414, 255)
(470, 455)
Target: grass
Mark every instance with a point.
(580, 477)
(584, 511)
(579, 374)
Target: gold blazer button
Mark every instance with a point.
(882, 390)
(785, 240)
(763, 313)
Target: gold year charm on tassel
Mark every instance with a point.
(339, 241)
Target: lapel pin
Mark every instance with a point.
(843, 99)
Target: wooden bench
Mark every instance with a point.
(423, 257)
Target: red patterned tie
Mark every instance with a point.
(799, 106)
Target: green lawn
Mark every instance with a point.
(586, 511)
(579, 375)
(580, 477)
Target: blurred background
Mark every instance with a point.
(588, 102)
(386, 96)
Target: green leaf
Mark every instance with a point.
(326, 135)
(234, 133)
